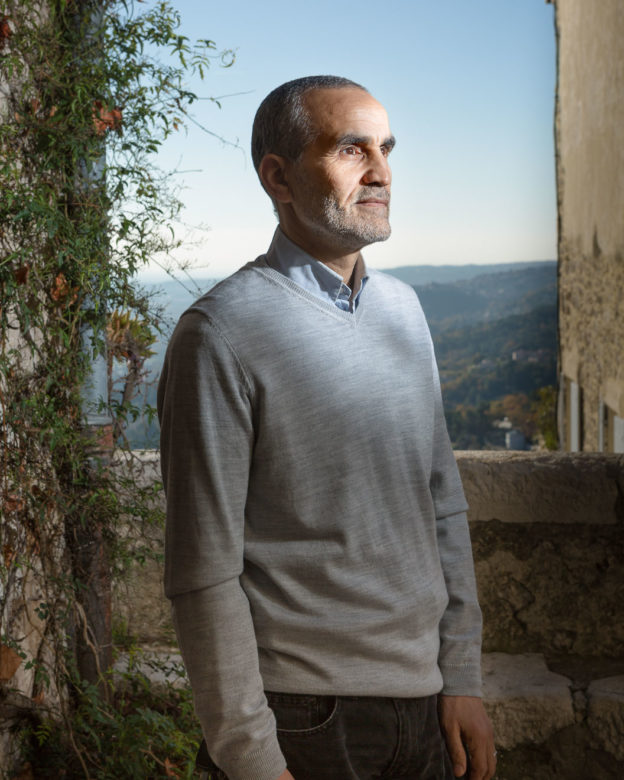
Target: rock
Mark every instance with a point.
(525, 701)
(566, 488)
(606, 714)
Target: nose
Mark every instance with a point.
(378, 170)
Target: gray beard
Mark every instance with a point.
(356, 231)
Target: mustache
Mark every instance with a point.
(377, 193)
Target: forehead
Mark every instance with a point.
(346, 111)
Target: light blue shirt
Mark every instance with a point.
(315, 277)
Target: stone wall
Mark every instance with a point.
(28, 570)
(33, 564)
(140, 611)
(548, 540)
(590, 184)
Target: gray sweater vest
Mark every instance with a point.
(316, 533)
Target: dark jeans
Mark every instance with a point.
(355, 738)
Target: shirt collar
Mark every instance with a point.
(315, 277)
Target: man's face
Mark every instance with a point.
(340, 185)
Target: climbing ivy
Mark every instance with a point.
(89, 91)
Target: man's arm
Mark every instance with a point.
(214, 628)
(207, 437)
(460, 628)
(464, 721)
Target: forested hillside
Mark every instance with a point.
(494, 370)
(488, 297)
(495, 340)
(418, 275)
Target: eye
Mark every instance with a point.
(352, 151)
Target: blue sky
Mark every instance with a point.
(469, 87)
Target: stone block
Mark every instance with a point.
(161, 668)
(547, 532)
(605, 717)
(526, 702)
(570, 488)
(528, 578)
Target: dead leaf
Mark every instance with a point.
(9, 554)
(105, 118)
(21, 275)
(12, 503)
(62, 291)
(10, 662)
(26, 773)
(5, 28)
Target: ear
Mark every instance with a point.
(273, 175)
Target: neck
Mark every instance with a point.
(337, 258)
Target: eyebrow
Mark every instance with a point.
(363, 140)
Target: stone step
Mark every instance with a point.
(524, 699)
(569, 731)
(536, 713)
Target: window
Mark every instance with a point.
(613, 431)
(573, 405)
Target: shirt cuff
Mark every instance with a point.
(267, 763)
(461, 680)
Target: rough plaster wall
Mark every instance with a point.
(140, 609)
(590, 177)
(548, 539)
(24, 587)
(30, 600)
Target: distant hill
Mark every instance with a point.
(477, 363)
(494, 330)
(533, 331)
(498, 364)
(176, 296)
(488, 297)
(419, 275)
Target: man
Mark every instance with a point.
(317, 551)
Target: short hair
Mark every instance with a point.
(282, 124)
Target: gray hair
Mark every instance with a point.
(282, 124)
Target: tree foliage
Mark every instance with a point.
(89, 91)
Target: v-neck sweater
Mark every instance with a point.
(316, 537)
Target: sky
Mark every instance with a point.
(469, 88)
